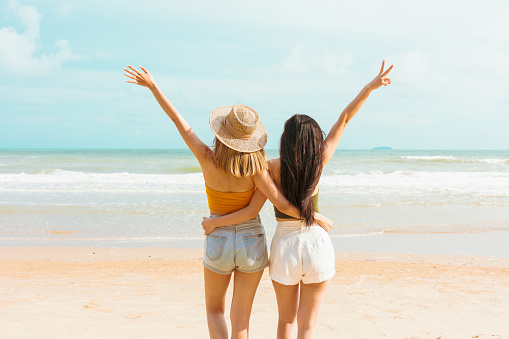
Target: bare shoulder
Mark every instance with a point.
(274, 164)
(275, 169)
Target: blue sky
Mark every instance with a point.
(62, 84)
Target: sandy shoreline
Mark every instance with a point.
(158, 293)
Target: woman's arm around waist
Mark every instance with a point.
(247, 213)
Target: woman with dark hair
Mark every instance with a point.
(302, 255)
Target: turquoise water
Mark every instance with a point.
(154, 197)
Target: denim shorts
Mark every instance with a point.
(241, 247)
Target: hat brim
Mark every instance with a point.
(255, 143)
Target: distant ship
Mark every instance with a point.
(382, 148)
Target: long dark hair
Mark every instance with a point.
(302, 153)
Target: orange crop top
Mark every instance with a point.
(227, 202)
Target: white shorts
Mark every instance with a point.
(300, 252)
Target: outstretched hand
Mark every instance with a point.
(381, 78)
(140, 78)
(323, 221)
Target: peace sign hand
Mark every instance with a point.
(381, 78)
(143, 79)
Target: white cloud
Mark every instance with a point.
(18, 55)
(412, 67)
(419, 72)
(64, 9)
(492, 51)
(304, 60)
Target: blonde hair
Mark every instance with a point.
(238, 163)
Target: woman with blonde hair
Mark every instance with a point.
(231, 170)
(302, 255)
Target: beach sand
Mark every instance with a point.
(73, 292)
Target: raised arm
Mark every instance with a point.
(192, 141)
(332, 140)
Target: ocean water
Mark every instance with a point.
(157, 198)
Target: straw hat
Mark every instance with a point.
(238, 127)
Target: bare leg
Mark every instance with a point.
(287, 297)
(215, 293)
(311, 296)
(244, 290)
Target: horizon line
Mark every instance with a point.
(267, 149)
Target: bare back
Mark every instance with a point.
(221, 181)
